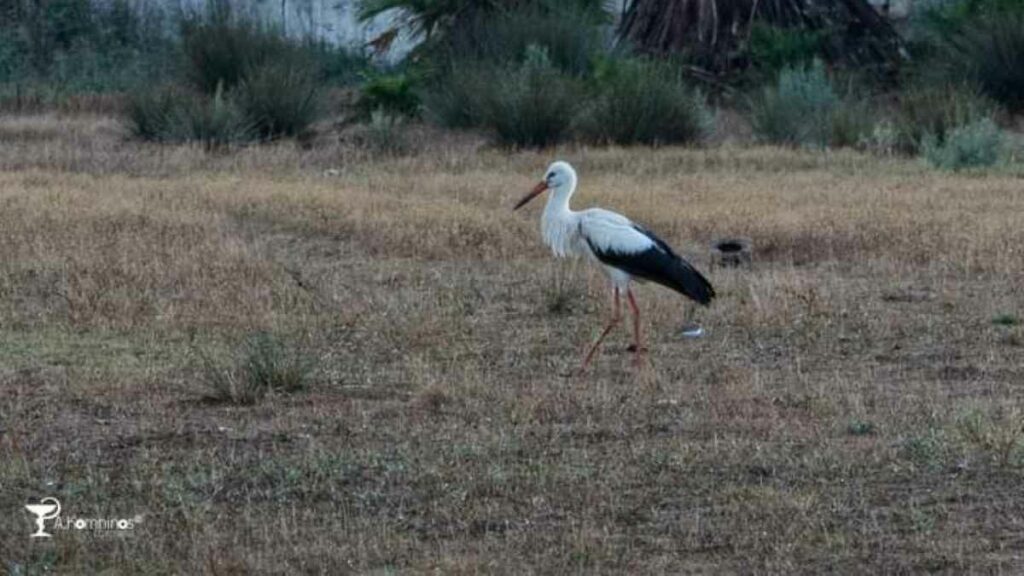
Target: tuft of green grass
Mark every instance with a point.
(927, 450)
(263, 365)
(999, 434)
(860, 428)
(1006, 320)
(564, 294)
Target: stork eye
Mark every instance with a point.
(550, 176)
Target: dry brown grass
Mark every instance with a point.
(854, 407)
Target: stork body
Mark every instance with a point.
(625, 250)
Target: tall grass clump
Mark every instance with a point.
(934, 110)
(172, 115)
(280, 98)
(215, 122)
(641, 102)
(263, 365)
(529, 105)
(797, 109)
(975, 145)
(150, 114)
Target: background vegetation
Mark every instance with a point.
(525, 73)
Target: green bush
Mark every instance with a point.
(280, 98)
(169, 114)
(392, 93)
(851, 124)
(990, 53)
(797, 109)
(646, 103)
(973, 145)
(150, 114)
(453, 100)
(532, 104)
(935, 111)
(568, 33)
(214, 122)
(772, 49)
(219, 48)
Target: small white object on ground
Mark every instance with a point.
(692, 331)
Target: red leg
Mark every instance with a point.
(616, 316)
(637, 347)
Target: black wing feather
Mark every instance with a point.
(660, 264)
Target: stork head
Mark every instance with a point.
(560, 176)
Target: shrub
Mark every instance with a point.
(263, 365)
(391, 93)
(797, 109)
(851, 124)
(219, 48)
(250, 83)
(935, 111)
(531, 104)
(990, 52)
(644, 102)
(772, 49)
(453, 100)
(280, 98)
(213, 122)
(149, 114)
(567, 32)
(973, 145)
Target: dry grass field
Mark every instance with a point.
(854, 407)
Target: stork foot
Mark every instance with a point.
(632, 348)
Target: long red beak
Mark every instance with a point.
(540, 187)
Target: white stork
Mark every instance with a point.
(624, 249)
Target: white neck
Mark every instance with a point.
(558, 222)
